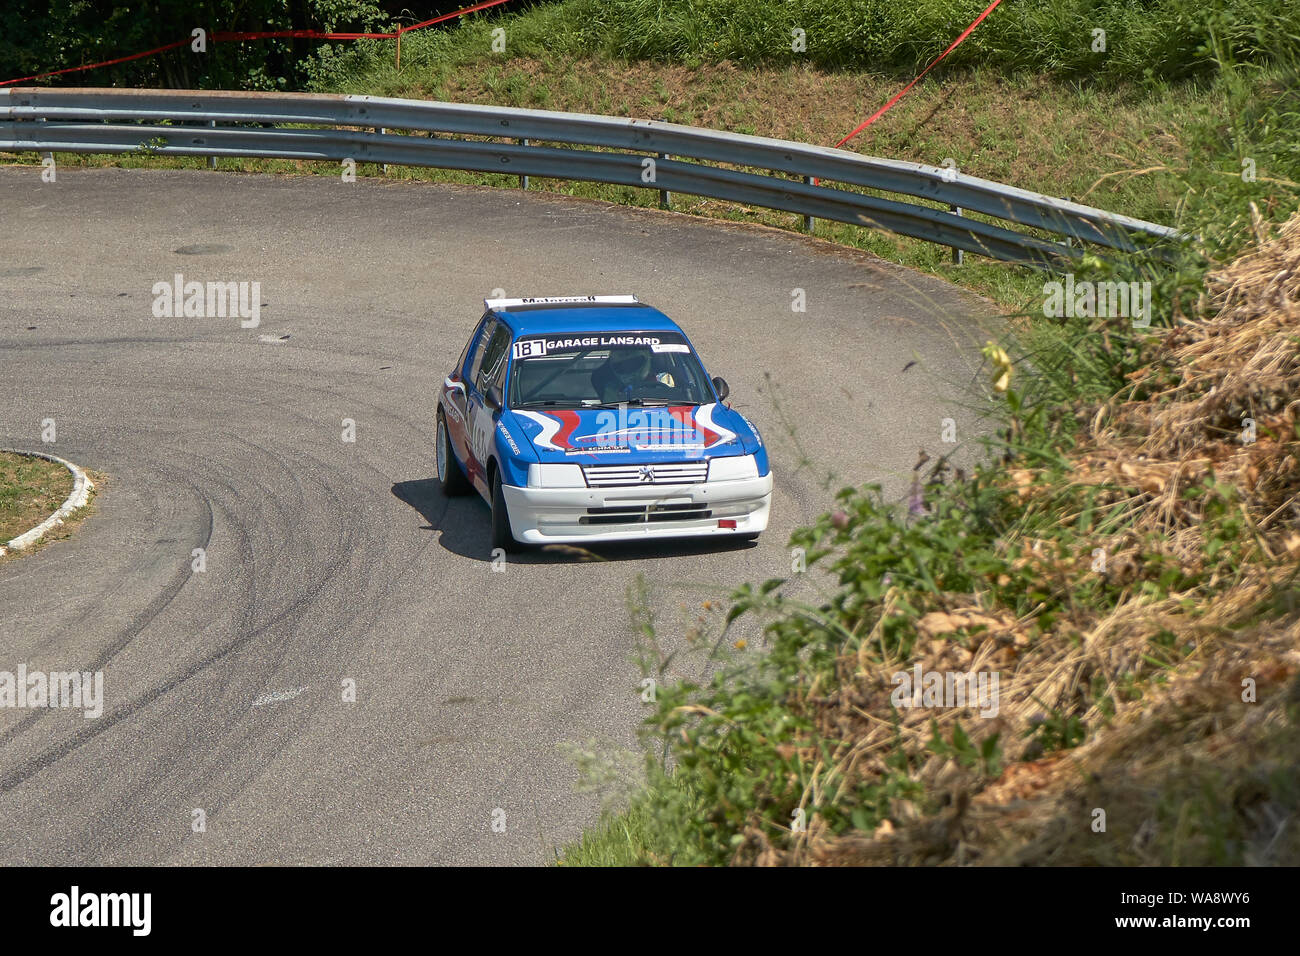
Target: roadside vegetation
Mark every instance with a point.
(1129, 567)
(31, 489)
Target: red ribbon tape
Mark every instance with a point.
(899, 95)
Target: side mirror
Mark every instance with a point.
(723, 389)
(494, 398)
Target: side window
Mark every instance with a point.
(495, 355)
(479, 349)
(500, 380)
(464, 353)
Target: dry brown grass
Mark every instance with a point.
(1207, 380)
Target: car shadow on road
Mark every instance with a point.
(463, 525)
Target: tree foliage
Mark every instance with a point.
(38, 36)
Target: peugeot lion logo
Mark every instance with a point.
(647, 473)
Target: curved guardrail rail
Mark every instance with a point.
(609, 149)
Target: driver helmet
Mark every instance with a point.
(634, 367)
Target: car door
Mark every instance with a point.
(487, 366)
(455, 387)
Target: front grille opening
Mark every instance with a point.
(644, 514)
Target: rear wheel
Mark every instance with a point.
(450, 477)
(502, 536)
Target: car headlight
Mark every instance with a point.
(555, 476)
(733, 469)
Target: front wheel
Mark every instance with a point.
(450, 477)
(502, 536)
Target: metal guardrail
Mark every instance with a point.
(361, 128)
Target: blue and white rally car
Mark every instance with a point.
(591, 418)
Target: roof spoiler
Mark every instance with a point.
(495, 305)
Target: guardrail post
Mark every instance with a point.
(49, 156)
(381, 130)
(212, 160)
(956, 253)
(808, 221)
(523, 180)
(665, 197)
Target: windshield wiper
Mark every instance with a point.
(644, 403)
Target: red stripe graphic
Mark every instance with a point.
(685, 414)
(570, 420)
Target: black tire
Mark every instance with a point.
(451, 478)
(502, 536)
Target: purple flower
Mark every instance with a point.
(915, 498)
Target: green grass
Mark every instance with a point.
(627, 838)
(31, 489)
(1149, 42)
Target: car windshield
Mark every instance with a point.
(606, 368)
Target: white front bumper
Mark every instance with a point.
(565, 515)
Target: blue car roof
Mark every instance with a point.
(633, 317)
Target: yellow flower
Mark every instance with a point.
(740, 645)
(1001, 366)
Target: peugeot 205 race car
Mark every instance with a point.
(591, 418)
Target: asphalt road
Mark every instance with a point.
(329, 561)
